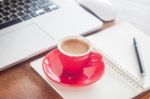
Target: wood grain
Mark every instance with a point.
(144, 95)
(22, 82)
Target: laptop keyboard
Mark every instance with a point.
(16, 11)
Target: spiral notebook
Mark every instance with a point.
(121, 79)
(117, 43)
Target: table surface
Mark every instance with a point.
(22, 82)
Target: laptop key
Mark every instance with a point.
(42, 1)
(5, 13)
(13, 16)
(1, 5)
(1, 16)
(47, 9)
(40, 12)
(26, 6)
(6, 3)
(26, 17)
(6, 18)
(13, 1)
(1, 11)
(27, 11)
(13, 11)
(21, 3)
(33, 14)
(9, 23)
(33, 4)
(7, 8)
(44, 5)
(1, 21)
(14, 6)
(34, 8)
(27, 1)
(21, 13)
(20, 9)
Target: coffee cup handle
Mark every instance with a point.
(95, 58)
(45, 61)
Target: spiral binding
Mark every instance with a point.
(112, 65)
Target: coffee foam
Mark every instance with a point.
(75, 46)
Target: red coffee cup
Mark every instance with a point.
(75, 53)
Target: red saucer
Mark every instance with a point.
(53, 69)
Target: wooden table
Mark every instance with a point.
(22, 82)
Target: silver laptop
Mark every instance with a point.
(30, 27)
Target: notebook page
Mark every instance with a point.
(117, 43)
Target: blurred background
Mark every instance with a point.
(136, 12)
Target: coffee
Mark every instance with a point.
(75, 46)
